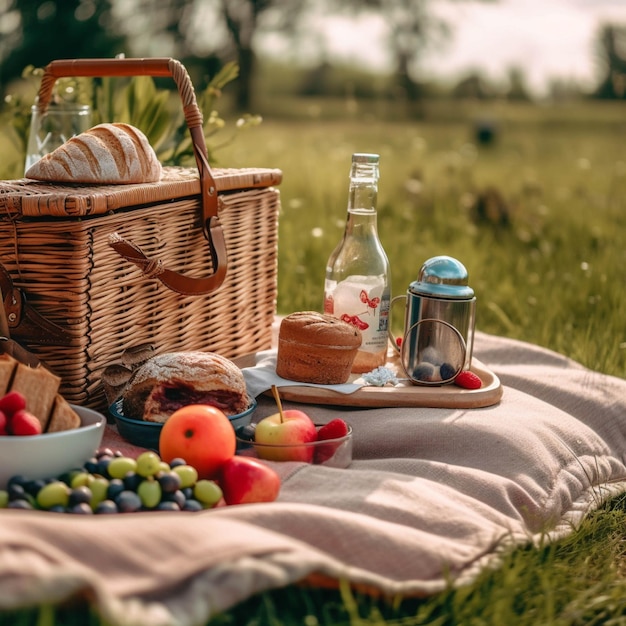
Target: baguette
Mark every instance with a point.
(105, 154)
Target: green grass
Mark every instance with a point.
(554, 274)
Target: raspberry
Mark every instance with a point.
(12, 402)
(333, 430)
(468, 380)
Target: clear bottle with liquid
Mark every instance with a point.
(357, 287)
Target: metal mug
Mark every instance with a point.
(439, 322)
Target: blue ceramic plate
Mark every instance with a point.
(146, 434)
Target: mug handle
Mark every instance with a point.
(394, 340)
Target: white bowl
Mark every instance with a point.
(49, 455)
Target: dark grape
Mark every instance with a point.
(20, 503)
(80, 495)
(18, 479)
(116, 486)
(132, 481)
(176, 462)
(170, 482)
(103, 466)
(33, 487)
(106, 507)
(187, 492)
(16, 491)
(81, 508)
(192, 505)
(167, 506)
(91, 465)
(57, 508)
(128, 502)
(104, 452)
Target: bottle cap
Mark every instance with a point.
(365, 157)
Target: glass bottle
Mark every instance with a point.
(357, 286)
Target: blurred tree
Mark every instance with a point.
(413, 27)
(35, 32)
(611, 46)
(204, 29)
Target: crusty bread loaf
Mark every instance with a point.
(105, 154)
(316, 348)
(169, 381)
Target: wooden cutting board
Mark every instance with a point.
(403, 395)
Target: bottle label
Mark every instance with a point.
(362, 301)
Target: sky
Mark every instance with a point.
(547, 38)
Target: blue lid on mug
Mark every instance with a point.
(444, 277)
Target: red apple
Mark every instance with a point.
(285, 432)
(245, 480)
(3, 423)
(24, 423)
(200, 434)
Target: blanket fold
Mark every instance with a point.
(432, 497)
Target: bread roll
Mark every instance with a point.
(169, 381)
(316, 348)
(105, 154)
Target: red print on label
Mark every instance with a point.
(373, 303)
(355, 321)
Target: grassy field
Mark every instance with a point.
(539, 219)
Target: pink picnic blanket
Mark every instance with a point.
(431, 498)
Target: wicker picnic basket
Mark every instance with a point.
(187, 263)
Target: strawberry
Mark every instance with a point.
(12, 402)
(335, 429)
(23, 423)
(468, 380)
(3, 424)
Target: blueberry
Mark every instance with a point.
(424, 371)
(447, 371)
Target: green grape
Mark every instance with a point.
(52, 494)
(149, 491)
(208, 492)
(119, 466)
(148, 464)
(4, 499)
(99, 487)
(188, 475)
(81, 479)
(165, 467)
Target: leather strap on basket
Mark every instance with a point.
(211, 226)
(23, 323)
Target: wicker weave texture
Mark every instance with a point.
(74, 278)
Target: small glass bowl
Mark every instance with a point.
(146, 434)
(329, 452)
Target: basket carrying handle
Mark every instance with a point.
(211, 226)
